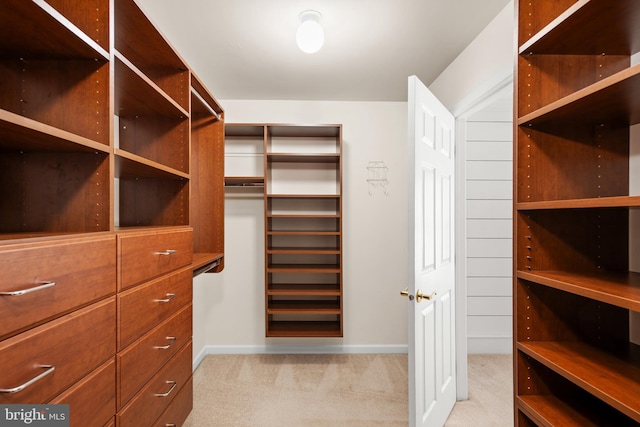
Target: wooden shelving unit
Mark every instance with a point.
(111, 199)
(244, 156)
(303, 231)
(576, 94)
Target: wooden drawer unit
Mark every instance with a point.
(158, 394)
(140, 361)
(179, 410)
(92, 401)
(51, 357)
(142, 308)
(144, 256)
(39, 281)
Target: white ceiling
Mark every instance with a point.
(245, 49)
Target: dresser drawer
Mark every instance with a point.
(140, 361)
(92, 401)
(152, 400)
(180, 408)
(55, 277)
(142, 308)
(143, 256)
(67, 348)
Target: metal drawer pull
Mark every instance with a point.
(49, 370)
(42, 285)
(164, 347)
(170, 297)
(171, 425)
(167, 252)
(173, 385)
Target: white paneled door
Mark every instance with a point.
(431, 299)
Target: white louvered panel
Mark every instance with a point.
(490, 190)
(489, 286)
(489, 306)
(489, 170)
(489, 267)
(489, 228)
(489, 131)
(489, 150)
(497, 248)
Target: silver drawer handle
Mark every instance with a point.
(169, 298)
(41, 285)
(49, 370)
(171, 425)
(164, 347)
(167, 252)
(173, 385)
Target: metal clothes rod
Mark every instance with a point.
(205, 103)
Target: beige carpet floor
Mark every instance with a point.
(327, 390)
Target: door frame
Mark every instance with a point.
(469, 105)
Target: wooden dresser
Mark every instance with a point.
(111, 200)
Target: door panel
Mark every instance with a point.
(432, 376)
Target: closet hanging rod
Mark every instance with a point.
(205, 103)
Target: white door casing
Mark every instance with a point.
(432, 368)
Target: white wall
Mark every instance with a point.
(229, 306)
(485, 62)
(488, 195)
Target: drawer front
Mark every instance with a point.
(142, 308)
(143, 256)
(81, 270)
(92, 401)
(65, 349)
(140, 361)
(152, 400)
(180, 408)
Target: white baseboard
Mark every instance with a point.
(490, 345)
(298, 349)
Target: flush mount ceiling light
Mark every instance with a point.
(310, 35)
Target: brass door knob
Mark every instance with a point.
(405, 293)
(420, 296)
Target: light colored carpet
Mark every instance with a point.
(327, 390)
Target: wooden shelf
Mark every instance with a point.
(49, 33)
(303, 233)
(576, 96)
(614, 99)
(304, 157)
(205, 262)
(18, 133)
(600, 202)
(296, 289)
(589, 27)
(308, 307)
(136, 94)
(614, 380)
(621, 289)
(304, 130)
(303, 239)
(244, 129)
(303, 268)
(303, 196)
(131, 166)
(303, 251)
(244, 181)
(549, 411)
(137, 40)
(304, 329)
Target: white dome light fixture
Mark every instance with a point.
(310, 35)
